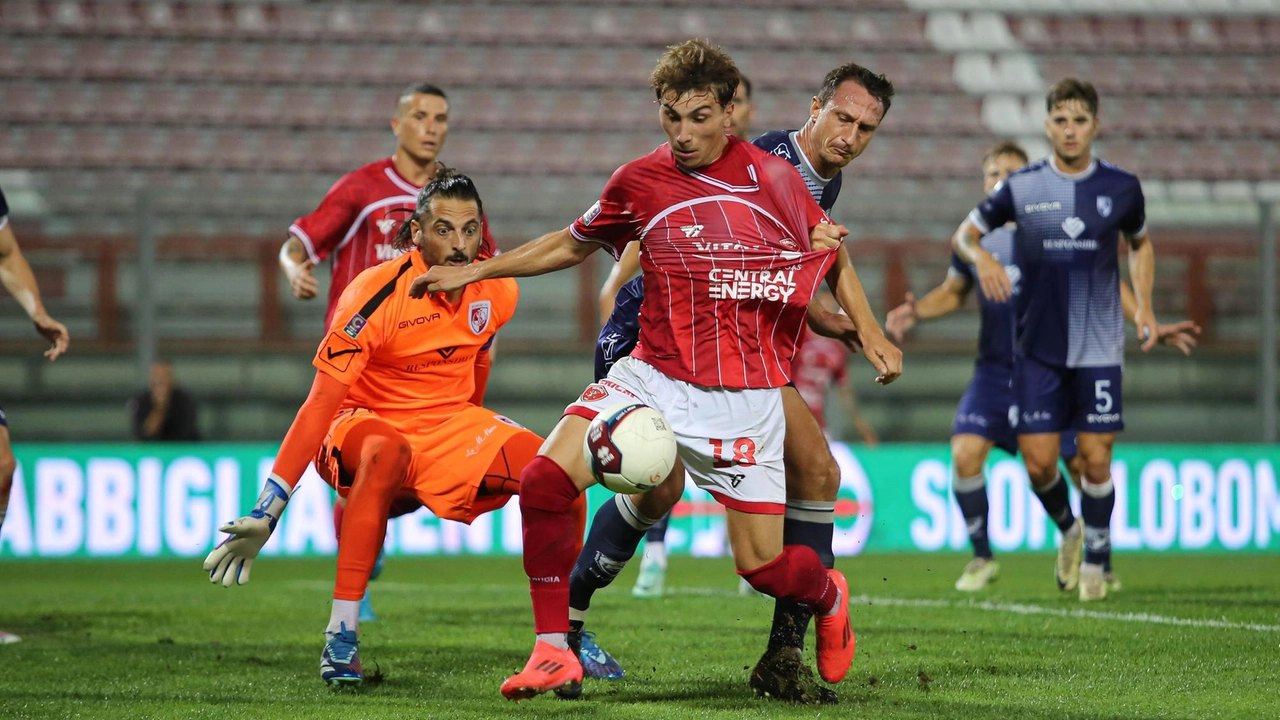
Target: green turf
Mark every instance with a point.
(156, 640)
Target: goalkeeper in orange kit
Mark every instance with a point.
(393, 420)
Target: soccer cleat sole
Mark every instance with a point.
(344, 681)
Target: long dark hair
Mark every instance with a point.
(449, 184)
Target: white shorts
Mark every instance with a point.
(730, 440)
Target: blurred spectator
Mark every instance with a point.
(165, 412)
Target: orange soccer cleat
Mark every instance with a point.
(836, 641)
(548, 668)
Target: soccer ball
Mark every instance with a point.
(630, 448)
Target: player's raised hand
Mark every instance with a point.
(53, 331)
(1148, 330)
(901, 319)
(836, 326)
(1180, 335)
(993, 278)
(884, 356)
(230, 562)
(302, 283)
(827, 236)
(440, 278)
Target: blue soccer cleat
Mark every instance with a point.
(340, 660)
(597, 663)
(378, 565)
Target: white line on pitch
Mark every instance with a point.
(1021, 609)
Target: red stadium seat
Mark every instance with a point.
(323, 63)
(1147, 75)
(1206, 160)
(1271, 34)
(139, 148)
(1230, 75)
(46, 58)
(21, 102)
(364, 63)
(1159, 34)
(1129, 116)
(112, 102)
(1266, 74)
(1075, 33)
(278, 62)
(23, 16)
(203, 20)
(1242, 34)
(189, 61)
(1119, 34)
(235, 61)
(1221, 118)
(141, 59)
(93, 58)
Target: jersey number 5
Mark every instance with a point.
(744, 453)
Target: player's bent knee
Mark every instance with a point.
(391, 451)
(660, 500)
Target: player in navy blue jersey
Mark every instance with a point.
(842, 120)
(17, 278)
(982, 420)
(1071, 211)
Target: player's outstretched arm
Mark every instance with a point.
(549, 253)
(1142, 270)
(16, 275)
(230, 562)
(967, 242)
(845, 285)
(942, 300)
(297, 266)
(627, 267)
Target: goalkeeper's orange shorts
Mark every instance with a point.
(453, 456)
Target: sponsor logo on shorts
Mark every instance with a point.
(1103, 417)
(508, 421)
(594, 393)
(1037, 416)
(478, 316)
(480, 438)
(972, 419)
(355, 325)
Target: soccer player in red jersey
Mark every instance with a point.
(17, 278)
(356, 223)
(734, 247)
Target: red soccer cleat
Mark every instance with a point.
(836, 641)
(548, 668)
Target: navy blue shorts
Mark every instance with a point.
(1056, 399)
(985, 408)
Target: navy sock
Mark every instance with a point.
(1096, 503)
(615, 532)
(1057, 503)
(658, 533)
(971, 495)
(810, 523)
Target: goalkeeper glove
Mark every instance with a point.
(231, 560)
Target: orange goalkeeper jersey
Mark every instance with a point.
(397, 354)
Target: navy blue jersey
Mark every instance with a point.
(995, 338)
(783, 144)
(1068, 307)
(620, 334)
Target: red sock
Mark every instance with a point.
(797, 574)
(338, 508)
(547, 496)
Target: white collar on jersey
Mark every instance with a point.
(807, 168)
(1074, 177)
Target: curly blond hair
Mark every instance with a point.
(695, 65)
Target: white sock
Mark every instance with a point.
(560, 640)
(344, 611)
(656, 552)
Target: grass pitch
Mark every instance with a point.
(1188, 637)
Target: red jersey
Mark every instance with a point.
(728, 272)
(356, 222)
(820, 363)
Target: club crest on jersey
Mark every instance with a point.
(782, 151)
(1073, 226)
(478, 316)
(386, 225)
(592, 213)
(594, 393)
(354, 326)
(1104, 206)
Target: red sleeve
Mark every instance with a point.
(309, 427)
(793, 198)
(324, 228)
(488, 247)
(612, 221)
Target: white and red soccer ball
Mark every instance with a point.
(630, 448)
